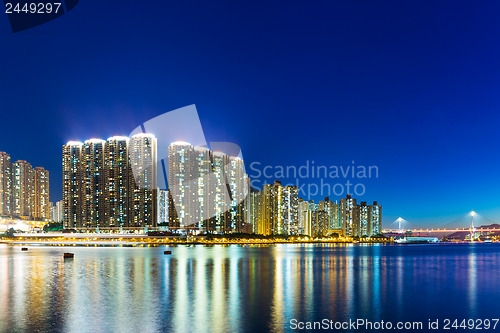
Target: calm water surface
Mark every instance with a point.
(243, 289)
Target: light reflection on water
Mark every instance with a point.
(235, 289)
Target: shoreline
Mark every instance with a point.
(146, 241)
(155, 242)
(142, 240)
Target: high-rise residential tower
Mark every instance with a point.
(256, 212)
(364, 220)
(40, 201)
(204, 189)
(320, 222)
(22, 189)
(162, 212)
(221, 198)
(5, 184)
(239, 187)
(182, 164)
(290, 209)
(143, 187)
(92, 159)
(56, 213)
(72, 185)
(304, 222)
(375, 219)
(116, 179)
(261, 203)
(274, 216)
(349, 218)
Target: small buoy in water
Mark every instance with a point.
(69, 255)
(167, 252)
(24, 249)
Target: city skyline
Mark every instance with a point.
(260, 166)
(410, 89)
(112, 197)
(112, 184)
(106, 182)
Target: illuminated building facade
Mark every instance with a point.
(320, 222)
(332, 209)
(220, 195)
(349, 217)
(110, 184)
(182, 182)
(256, 218)
(5, 184)
(93, 204)
(143, 186)
(375, 219)
(277, 209)
(116, 173)
(72, 185)
(310, 219)
(22, 189)
(364, 220)
(56, 212)
(208, 190)
(162, 211)
(205, 206)
(370, 219)
(305, 227)
(290, 209)
(271, 203)
(239, 188)
(40, 201)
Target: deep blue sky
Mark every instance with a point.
(409, 86)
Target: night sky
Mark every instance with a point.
(409, 86)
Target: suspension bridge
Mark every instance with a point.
(471, 223)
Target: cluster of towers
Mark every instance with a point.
(278, 210)
(24, 190)
(110, 183)
(275, 210)
(208, 190)
(344, 218)
(114, 184)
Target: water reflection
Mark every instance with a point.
(472, 279)
(236, 289)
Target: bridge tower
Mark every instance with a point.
(399, 224)
(472, 228)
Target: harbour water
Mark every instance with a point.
(243, 288)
